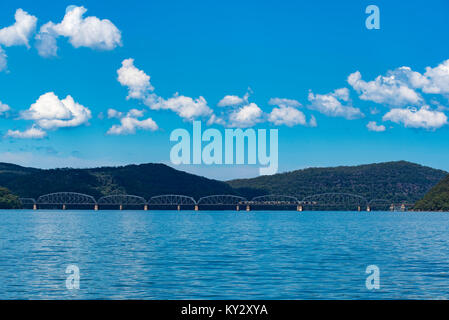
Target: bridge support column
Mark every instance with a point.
(237, 208)
(63, 207)
(34, 206)
(358, 208)
(196, 207)
(178, 207)
(121, 207)
(248, 208)
(299, 208)
(368, 209)
(145, 207)
(96, 207)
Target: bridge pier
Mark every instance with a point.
(34, 206)
(196, 207)
(368, 209)
(178, 208)
(121, 207)
(248, 208)
(237, 208)
(63, 207)
(359, 209)
(96, 207)
(299, 208)
(145, 207)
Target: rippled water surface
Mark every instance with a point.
(223, 255)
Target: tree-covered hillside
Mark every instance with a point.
(395, 181)
(436, 199)
(8, 200)
(144, 180)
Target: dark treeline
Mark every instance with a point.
(394, 181)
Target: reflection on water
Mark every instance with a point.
(223, 255)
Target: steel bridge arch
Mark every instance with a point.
(275, 199)
(222, 199)
(122, 199)
(66, 198)
(171, 200)
(27, 201)
(314, 199)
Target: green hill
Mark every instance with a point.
(145, 180)
(395, 181)
(8, 200)
(436, 199)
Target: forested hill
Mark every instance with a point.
(396, 181)
(145, 180)
(436, 199)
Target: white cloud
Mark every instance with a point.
(130, 122)
(373, 126)
(140, 88)
(112, 113)
(417, 118)
(3, 62)
(4, 108)
(137, 81)
(286, 114)
(330, 105)
(390, 89)
(312, 122)
(88, 32)
(282, 102)
(233, 101)
(20, 32)
(50, 112)
(245, 116)
(185, 107)
(436, 80)
(32, 133)
(229, 100)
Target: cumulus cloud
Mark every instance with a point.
(233, 101)
(330, 104)
(435, 80)
(287, 113)
(140, 88)
(388, 89)
(129, 122)
(3, 62)
(88, 32)
(49, 112)
(185, 107)
(137, 81)
(245, 116)
(312, 122)
(31, 133)
(17, 34)
(288, 116)
(20, 32)
(417, 118)
(373, 126)
(282, 102)
(4, 108)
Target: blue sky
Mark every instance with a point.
(301, 51)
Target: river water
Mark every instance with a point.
(223, 255)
